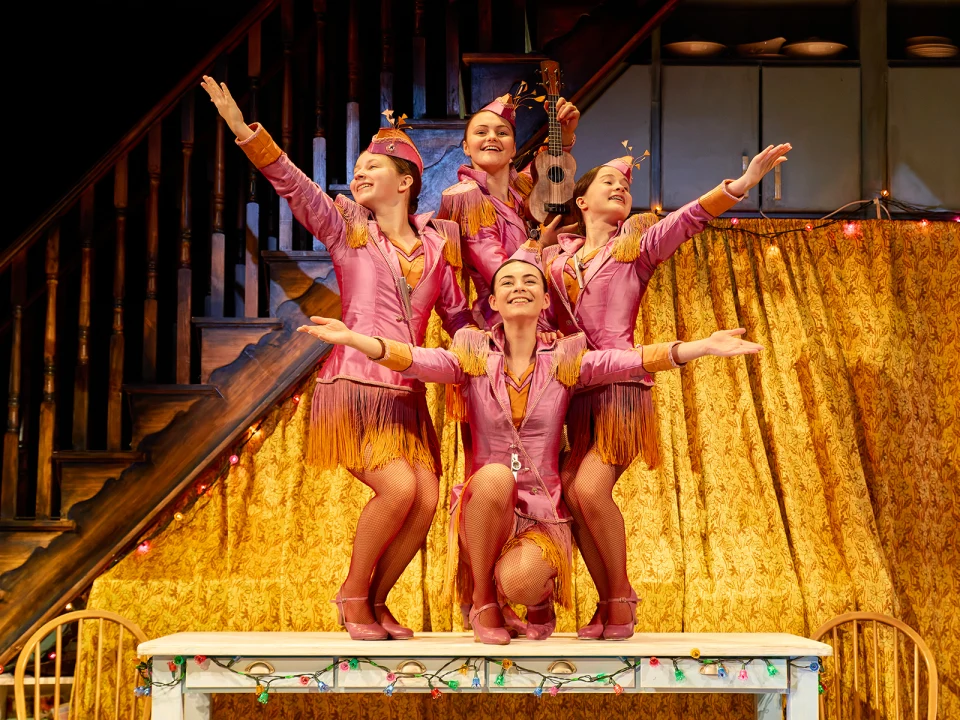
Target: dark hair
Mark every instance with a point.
(543, 278)
(579, 190)
(405, 167)
(466, 128)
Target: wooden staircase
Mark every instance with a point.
(120, 394)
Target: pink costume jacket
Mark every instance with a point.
(619, 418)
(373, 291)
(490, 230)
(475, 363)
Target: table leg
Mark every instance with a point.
(166, 701)
(196, 706)
(802, 697)
(769, 706)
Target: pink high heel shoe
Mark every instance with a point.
(515, 626)
(541, 631)
(622, 631)
(485, 635)
(393, 628)
(358, 631)
(593, 630)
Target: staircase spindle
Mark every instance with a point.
(518, 26)
(453, 57)
(386, 59)
(319, 133)
(218, 257)
(419, 60)
(286, 25)
(252, 224)
(115, 382)
(153, 251)
(11, 438)
(48, 407)
(81, 385)
(353, 89)
(184, 270)
(485, 25)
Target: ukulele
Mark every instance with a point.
(554, 170)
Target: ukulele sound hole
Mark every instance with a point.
(555, 174)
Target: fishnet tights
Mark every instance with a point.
(408, 541)
(487, 521)
(525, 578)
(599, 531)
(395, 488)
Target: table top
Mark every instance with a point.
(446, 644)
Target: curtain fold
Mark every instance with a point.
(818, 477)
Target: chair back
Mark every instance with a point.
(115, 649)
(871, 650)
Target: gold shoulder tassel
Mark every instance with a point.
(567, 358)
(450, 232)
(472, 347)
(356, 217)
(456, 403)
(523, 184)
(626, 248)
(467, 206)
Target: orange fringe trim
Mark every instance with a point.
(470, 209)
(450, 232)
(356, 217)
(619, 419)
(567, 359)
(472, 348)
(456, 403)
(523, 184)
(364, 427)
(626, 248)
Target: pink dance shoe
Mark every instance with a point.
(515, 626)
(541, 631)
(393, 628)
(622, 631)
(593, 630)
(485, 635)
(358, 631)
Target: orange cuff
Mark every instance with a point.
(398, 356)
(719, 200)
(260, 147)
(659, 357)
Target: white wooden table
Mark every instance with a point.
(316, 657)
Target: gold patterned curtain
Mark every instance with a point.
(816, 478)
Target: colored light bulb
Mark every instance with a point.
(476, 682)
(555, 690)
(263, 697)
(695, 654)
(234, 459)
(498, 681)
(617, 689)
(654, 662)
(453, 684)
(435, 693)
(304, 679)
(678, 675)
(344, 666)
(144, 547)
(771, 669)
(391, 678)
(742, 675)
(815, 666)
(354, 663)
(538, 691)
(388, 690)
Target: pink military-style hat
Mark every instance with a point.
(627, 163)
(505, 106)
(394, 142)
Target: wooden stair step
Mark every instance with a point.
(19, 539)
(293, 272)
(153, 407)
(81, 474)
(492, 58)
(223, 339)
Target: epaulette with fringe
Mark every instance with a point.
(356, 217)
(523, 184)
(450, 232)
(626, 248)
(567, 356)
(472, 348)
(466, 205)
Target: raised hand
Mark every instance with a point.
(329, 330)
(729, 343)
(569, 117)
(226, 106)
(761, 164)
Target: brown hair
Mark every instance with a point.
(466, 128)
(405, 167)
(579, 190)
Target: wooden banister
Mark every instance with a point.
(169, 103)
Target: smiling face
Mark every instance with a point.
(489, 141)
(519, 291)
(377, 182)
(606, 196)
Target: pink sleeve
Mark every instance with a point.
(602, 367)
(661, 240)
(452, 304)
(310, 205)
(435, 365)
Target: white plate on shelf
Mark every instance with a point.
(932, 51)
(814, 48)
(761, 49)
(694, 48)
